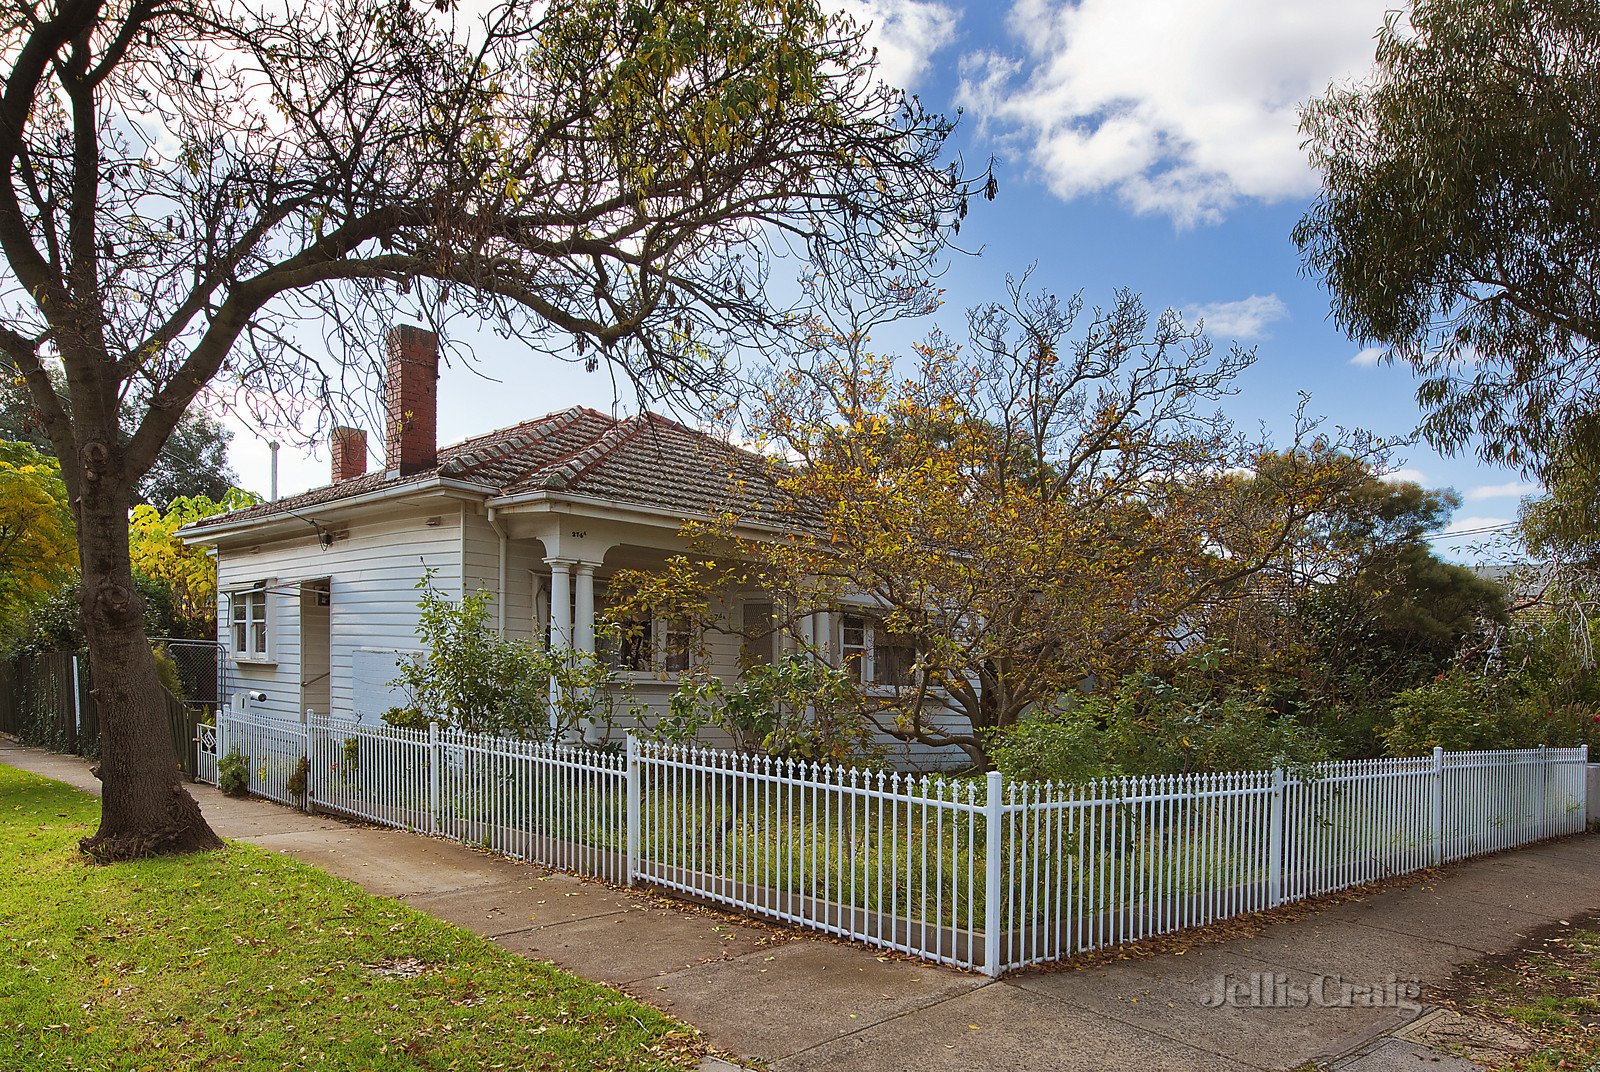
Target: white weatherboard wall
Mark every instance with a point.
(372, 673)
(480, 555)
(372, 573)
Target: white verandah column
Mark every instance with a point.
(583, 625)
(583, 607)
(560, 624)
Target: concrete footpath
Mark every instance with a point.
(799, 1002)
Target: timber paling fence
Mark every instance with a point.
(978, 873)
(48, 700)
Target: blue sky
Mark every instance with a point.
(1147, 144)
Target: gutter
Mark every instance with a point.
(202, 533)
(610, 508)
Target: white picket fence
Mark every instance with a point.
(978, 873)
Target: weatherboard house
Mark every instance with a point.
(318, 591)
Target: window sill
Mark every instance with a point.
(262, 661)
(664, 678)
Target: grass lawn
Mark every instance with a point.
(244, 959)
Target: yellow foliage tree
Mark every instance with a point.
(38, 551)
(187, 572)
(1049, 505)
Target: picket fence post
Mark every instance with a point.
(1584, 818)
(994, 814)
(77, 700)
(306, 803)
(316, 750)
(435, 820)
(632, 806)
(1275, 842)
(1541, 821)
(1438, 806)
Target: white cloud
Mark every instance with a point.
(1515, 489)
(1173, 106)
(1247, 318)
(1369, 357)
(1407, 476)
(906, 34)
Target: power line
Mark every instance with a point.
(1482, 530)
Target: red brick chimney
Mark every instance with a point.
(410, 441)
(349, 453)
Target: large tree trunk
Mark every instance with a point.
(145, 810)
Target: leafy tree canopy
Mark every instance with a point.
(37, 548)
(1052, 502)
(1458, 220)
(193, 461)
(188, 573)
(195, 187)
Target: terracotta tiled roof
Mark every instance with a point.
(647, 461)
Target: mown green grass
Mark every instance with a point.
(243, 959)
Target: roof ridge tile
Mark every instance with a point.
(503, 442)
(567, 471)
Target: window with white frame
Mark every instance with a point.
(248, 607)
(855, 646)
(761, 641)
(894, 657)
(644, 643)
(872, 654)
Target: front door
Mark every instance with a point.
(316, 661)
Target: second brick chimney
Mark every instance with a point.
(411, 383)
(349, 453)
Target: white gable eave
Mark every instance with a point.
(284, 522)
(567, 503)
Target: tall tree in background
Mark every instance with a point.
(1459, 220)
(193, 461)
(187, 573)
(1377, 612)
(191, 181)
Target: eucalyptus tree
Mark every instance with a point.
(198, 187)
(1458, 222)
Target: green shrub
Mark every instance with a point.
(1147, 724)
(1062, 744)
(1460, 711)
(233, 774)
(299, 780)
(350, 753)
(405, 718)
(797, 707)
(472, 677)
